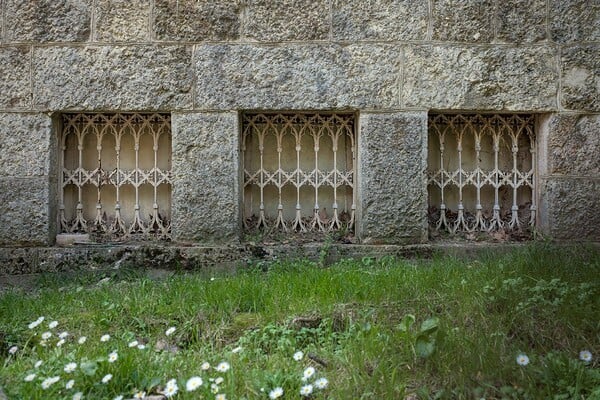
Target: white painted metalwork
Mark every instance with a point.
(116, 175)
(481, 172)
(298, 171)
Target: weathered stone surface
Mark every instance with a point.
(122, 20)
(113, 77)
(24, 144)
(469, 77)
(379, 19)
(24, 219)
(197, 20)
(393, 191)
(464, 21)
(572, 208)
(574, 20)
(206, 183)
(267, 20)
(15, 79)
(297, 76)
(581, 77)
(574, 145)
(521, 20)
(47, 20)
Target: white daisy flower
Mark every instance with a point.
(112, 357)
(35, 323)
(133, 344)
(38, 364)
(53, 324)
(43, 343)
(105, 338)
(223, 366)
(276, 393)
(193, 383)
(321, 383)
(171, 382)
(522, 360)
(308, 373)
(221, 396)
(70, 367)
(214, 388)
(78, 396)
(205, 366)
(119, 397)
(171, 389)
(82, 340)
(106, 378)
(60, 342)
(306, 390)
(70, 384)
(63, 335)
(298, 355)
(219, 380)
(141, 346)
(29, 378)
(236, 350)
(46, 335)
(49, 382)
(139, 395)
(170, 331)
(585, 356)
(13, 350)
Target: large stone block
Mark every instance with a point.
(574, 145)
(572, 208)
(25, 144)
(24, 219)
(267, 20)
(470, 77)
(122, 20)
(574, 20)
(392, 178)
(206, 177)
(197, 20)
(15, 77)
(463, 21)
(521, 20)
(379, 19)
(47, 20)
(297, 76)
(581, 77)
(112, 77)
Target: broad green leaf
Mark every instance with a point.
(89, 367)
(430, 325)
(424, 346)
(407, 321)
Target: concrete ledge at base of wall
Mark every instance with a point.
(37, 260)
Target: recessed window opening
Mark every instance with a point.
(481, 172)
(116, 175)
(298, 171)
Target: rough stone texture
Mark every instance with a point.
(392, 178)
(24, 144)
(574, 20)
(267, 20)
(297, 76)
(468, 77)
(464, 20)
(521, 20)
(572, 206)
(122, 20)
(112, 77)
(15, 80)
(379, 19)
(581, 77)
(206, 182)
(24, 219)
(197, 20)
(47, 20)
(574, 145)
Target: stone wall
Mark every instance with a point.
(392, 61)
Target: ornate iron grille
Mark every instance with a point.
(116, 169)
(481, 172)
(298, 171)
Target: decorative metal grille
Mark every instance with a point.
(298, 171)
(482, 166)
(116, 169)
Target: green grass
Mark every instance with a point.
(353, 321)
